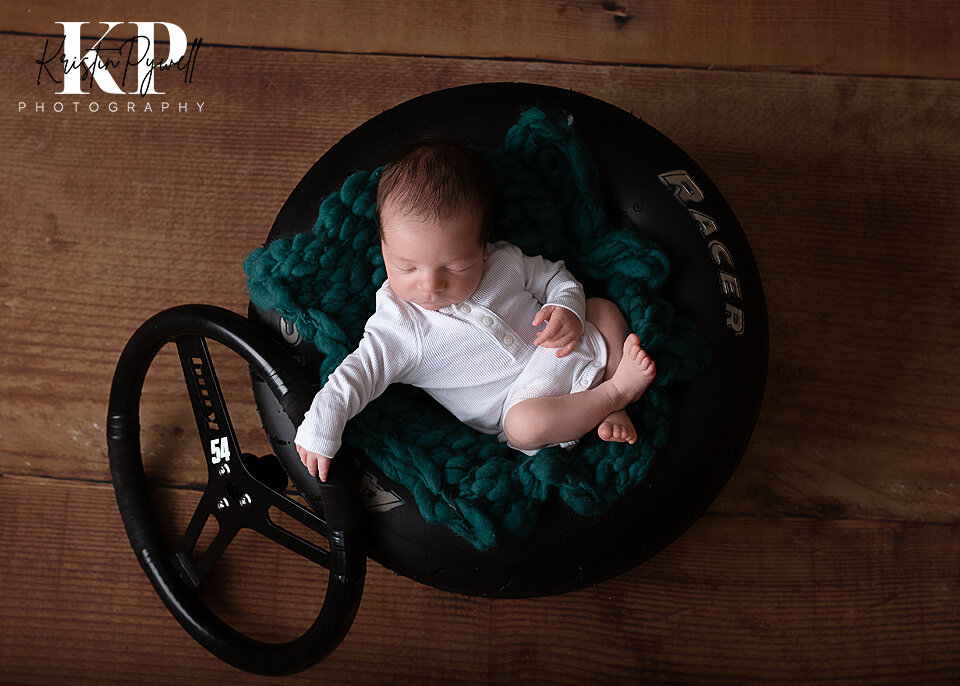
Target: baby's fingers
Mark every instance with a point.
(566, 343)
(323, 468)
(567, 348)
(550, 334)
(309, 459)
(544, 314)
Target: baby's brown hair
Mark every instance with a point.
(437, 178)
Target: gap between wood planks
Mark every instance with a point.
(793, 516)
(536, 60)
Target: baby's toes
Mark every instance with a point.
(644, 361)
(620, 433)
(606, 431)
(631, 347)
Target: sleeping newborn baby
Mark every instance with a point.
(505, 341)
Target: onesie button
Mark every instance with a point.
(487, 320)
(508, 340)
(464, 308)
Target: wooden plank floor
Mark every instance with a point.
(834, 134)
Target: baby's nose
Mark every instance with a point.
(432, 283)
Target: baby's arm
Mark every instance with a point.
(388, 350)
(565, 306)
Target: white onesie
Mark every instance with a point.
(476, 358)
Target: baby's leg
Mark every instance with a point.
(608, 319)
(537, 422)
(612, 325)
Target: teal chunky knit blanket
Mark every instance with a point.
(548, 203)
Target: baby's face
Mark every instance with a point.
(432, 263)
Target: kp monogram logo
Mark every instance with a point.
(139, 52)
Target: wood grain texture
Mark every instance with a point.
(838, 182)
(735, 600)
(831, 554)
(880, 37)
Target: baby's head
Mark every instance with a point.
(436, 179)
(435, 212)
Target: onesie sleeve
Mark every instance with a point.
(388, 350)
(552, 284)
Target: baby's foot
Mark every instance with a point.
(635, 372)
(618, 427)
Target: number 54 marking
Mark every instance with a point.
(219, 450)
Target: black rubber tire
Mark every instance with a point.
(177, 581)
(713, 415)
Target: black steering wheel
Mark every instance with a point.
(240, 489)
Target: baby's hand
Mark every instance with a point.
(316, 464)
(563, 329)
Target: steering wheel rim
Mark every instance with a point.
(234, 495)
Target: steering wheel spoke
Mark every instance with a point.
(238, 500)
(307, 549)
(194, 570)
(217, 438)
